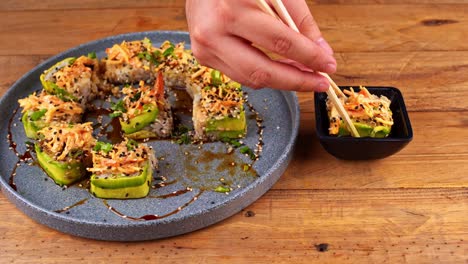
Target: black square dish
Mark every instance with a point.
(350, 148)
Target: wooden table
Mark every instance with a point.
(411, 207)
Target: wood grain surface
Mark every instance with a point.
(409, 208)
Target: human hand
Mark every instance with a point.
(222, 33)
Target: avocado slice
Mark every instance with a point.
(227, 134)
(365, 130)
(137, 123)
(380, 132)
(122, 187)
(228, 127)
(46, 77)
(31, 127)
(53, 88)
(63, 173)
(142, 134)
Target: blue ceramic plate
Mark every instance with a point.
(182, 197)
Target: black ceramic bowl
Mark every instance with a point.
(350, 148)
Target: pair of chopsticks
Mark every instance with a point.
(283, 14)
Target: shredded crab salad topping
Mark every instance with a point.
(127, 157)
(55, 109)
(363, 107)
(67, 141)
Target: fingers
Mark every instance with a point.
(277, 37)
(224, 40)
(306, 23)
(256, 70)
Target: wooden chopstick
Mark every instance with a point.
(267, 9)
(333, 89)
(337, 89)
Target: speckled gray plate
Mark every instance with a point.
(183, 166)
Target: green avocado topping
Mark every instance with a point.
(122, 186)
(137, 123)
(63, 173)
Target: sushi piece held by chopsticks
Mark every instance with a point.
(286, 18)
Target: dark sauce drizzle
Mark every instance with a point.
(81, 202)
(163, 184)
(115, 135)
(260, 127)
(172, 194)
(22, 158)
(152, 216)
(10, 135)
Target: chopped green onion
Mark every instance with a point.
(222, 189)
(234, 85)
(216, 78)
(146, 41)
(184, 139)
(36, 115)
(182, 135)
(169, 51)
(157, 54)
(149, 57)
(182, 129)
(119, 106)
(92, 55)
(75, 154)
(136, 97)
(244, 149)
(62, 94)
(131, 144)
(235, 143)
(115, 114)
(248, 151)
(103, 146)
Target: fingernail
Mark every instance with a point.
(331, 67)
(324, 44)
(322, 86)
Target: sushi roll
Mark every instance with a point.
(63, 151)
(145, 112)
(370, 114)
(73, 79)
(130, 62)
(44, 110)
(177, 63)
(218, 107)
(122, 171)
